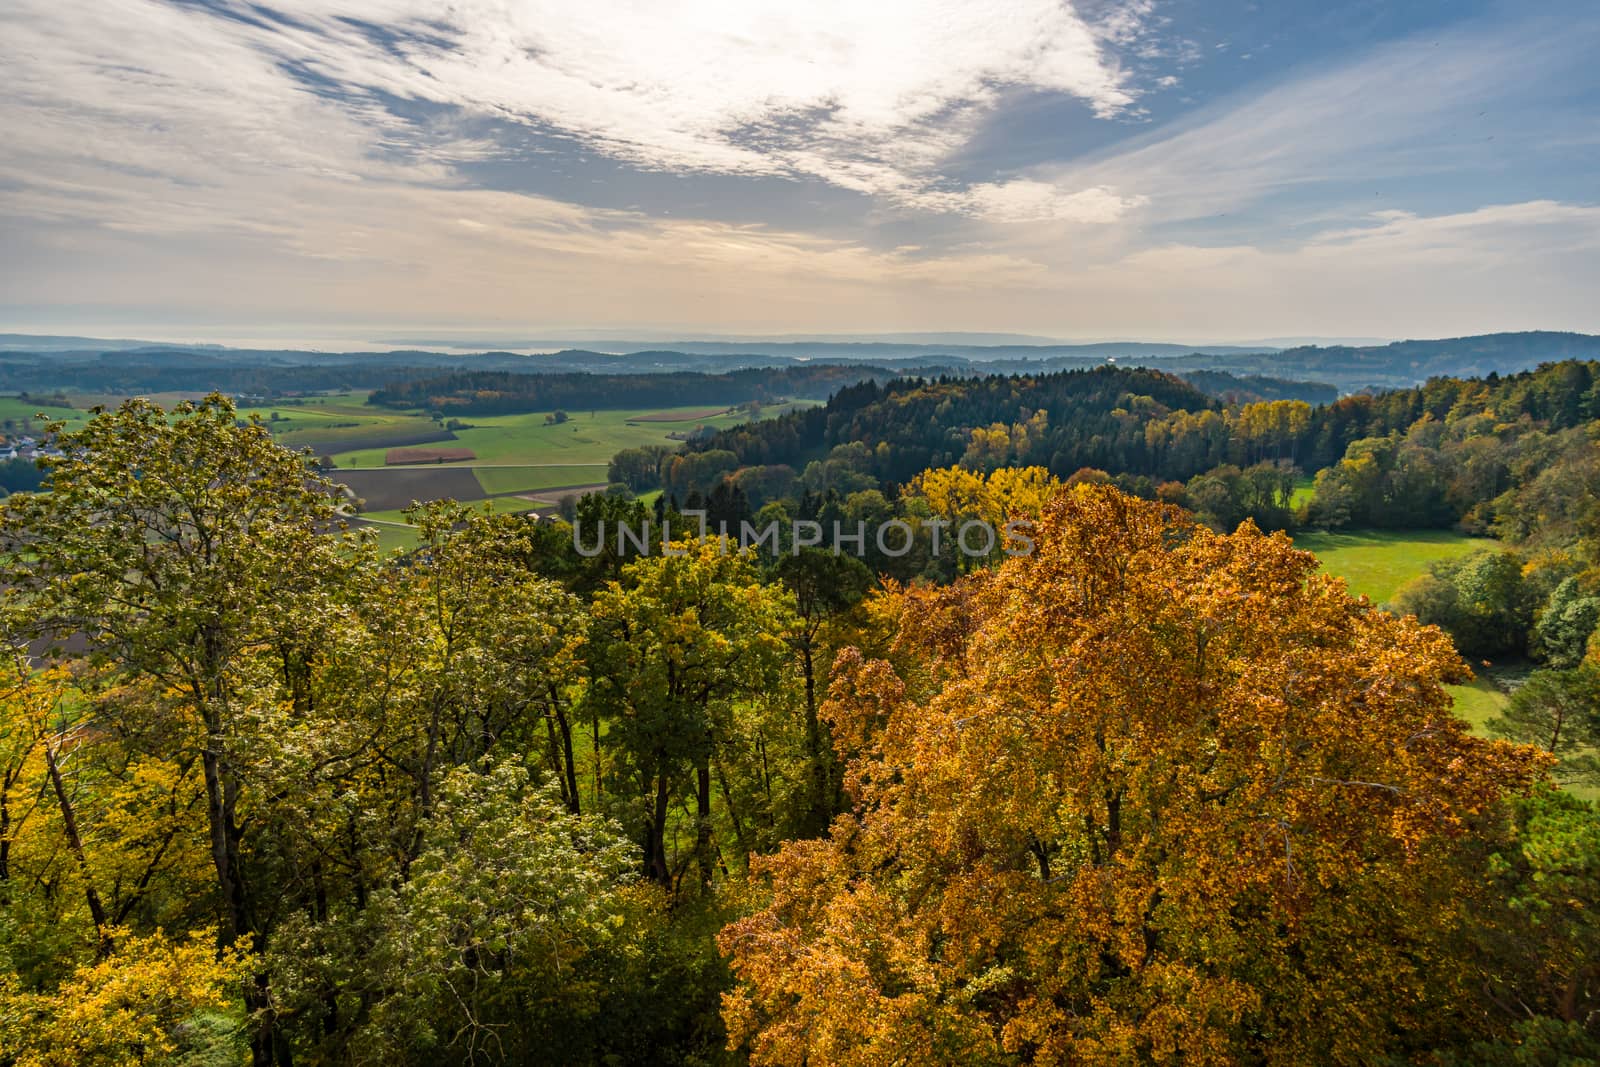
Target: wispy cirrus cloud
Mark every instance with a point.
(1476, 101)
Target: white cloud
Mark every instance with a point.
(870, 97)
(1027, 201)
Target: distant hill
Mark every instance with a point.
(1403, 364)
(1247, 389)
(875, 351)
(32, 363)
(39, 342)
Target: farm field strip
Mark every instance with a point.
(679, 416)
(499, 479)
(505, 505)
(20, 412)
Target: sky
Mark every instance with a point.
(1191, 170)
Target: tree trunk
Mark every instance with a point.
(656, 846)
(69, 822)
(571, 768)
(818, 801)
(702, 830)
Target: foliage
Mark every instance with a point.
(152, 1001)
(1559, 711)
(677, 642)
(1151, 793)
(1481, 600)
(1540, 936)
(1569, 618)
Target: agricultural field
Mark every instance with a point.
(526, 439)
(534, 477)
(518, 461)
(343, 422)
(22, 416)
(394, 532)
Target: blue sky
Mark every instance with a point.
(1165, 169)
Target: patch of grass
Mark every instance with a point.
(1304, 489)
(1477, 702)
(1376, 563)
(390, 536)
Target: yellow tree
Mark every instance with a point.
(1150, 794)
(147, 1002)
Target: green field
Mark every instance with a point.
(24, 415)
(1479, 701)
(390, 535)
(329, 424)
(358, 435)
(525, 439)
(506, 505)
(1376, 563)
(394, 532)
(497, 480)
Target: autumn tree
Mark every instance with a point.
(153, 1000)
(1152, 793)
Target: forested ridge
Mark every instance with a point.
(502, 392)
(1135, 423)
(1151, 791)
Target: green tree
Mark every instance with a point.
(1537, 927)
(825, 587)
(675, 645)
(180, 547)
(638, 468)
(1560, 712)
(1562, 631)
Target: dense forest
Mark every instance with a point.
(505, 392)
(1149, 792)
(1468, 434)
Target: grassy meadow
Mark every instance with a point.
(22, 416)
(1376, 563)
